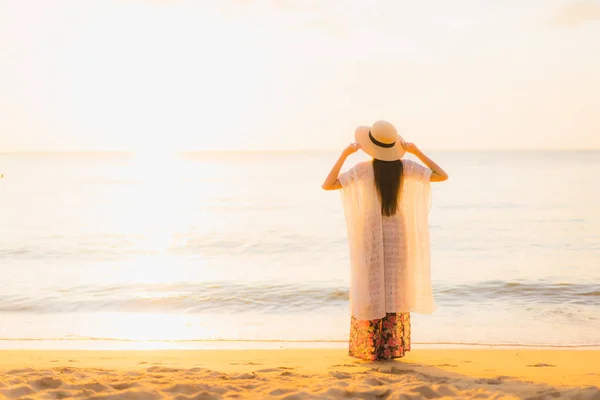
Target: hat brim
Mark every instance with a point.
(361, 136)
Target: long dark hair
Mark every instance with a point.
(388, 177)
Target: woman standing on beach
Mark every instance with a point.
(386, 204)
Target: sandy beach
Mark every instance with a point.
(297, 374)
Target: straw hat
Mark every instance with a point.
(380, 141)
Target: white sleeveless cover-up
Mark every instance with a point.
(389, 256)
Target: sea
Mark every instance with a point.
(245, 250)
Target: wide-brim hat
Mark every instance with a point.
(381, 141)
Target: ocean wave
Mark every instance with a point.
(224, 297)
(110, 246)
(268, 297)
(532, 292)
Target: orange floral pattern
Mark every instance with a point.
(380, 339)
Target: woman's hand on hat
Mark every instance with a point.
(352, 148)
(410, 147)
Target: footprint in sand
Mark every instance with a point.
(373, 382)
(65, 370)
(124, 385)
(278, 369)
(19, 391)
(281, 391)
(489, 381)
(541, 365)
(20, 371)
(46, 383)
(393, 371)
(93, 386)
(447, 365)
(162, 369)
(340, 375)
(243, 376)
(426, 392)
(198, 369)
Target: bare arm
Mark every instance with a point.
(438, 174)
(332, 182)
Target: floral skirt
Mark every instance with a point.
(380, 339)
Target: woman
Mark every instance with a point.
(386, 204)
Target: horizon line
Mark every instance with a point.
(266, 151)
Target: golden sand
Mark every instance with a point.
(299, 374)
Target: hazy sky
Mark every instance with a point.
(297, 74)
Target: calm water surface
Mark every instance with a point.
(227, 247)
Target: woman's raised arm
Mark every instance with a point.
(332, 182)
(438, 174)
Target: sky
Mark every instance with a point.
(181, 75)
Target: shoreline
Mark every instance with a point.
(88, 344)
(298, 373)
